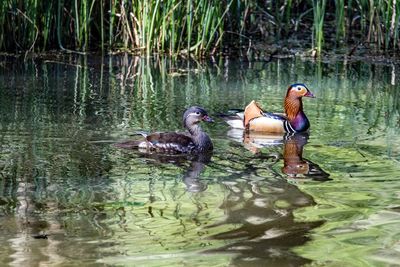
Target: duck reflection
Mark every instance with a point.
(192, 174)
(259, 208)
(197, 163)
(294, 165)
(263, 228)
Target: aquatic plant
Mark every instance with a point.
(318, 27)
(196, 27)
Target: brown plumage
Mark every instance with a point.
(195, 141)
(294, 120)
(293, 105)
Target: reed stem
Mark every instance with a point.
(197, 27)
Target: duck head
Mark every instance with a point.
(194, 115)
(298, 90)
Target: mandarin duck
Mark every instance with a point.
(191, 142)
(295, 120)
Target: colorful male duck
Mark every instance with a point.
(294, 121)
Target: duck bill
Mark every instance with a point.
(207, 118)
(309, 94)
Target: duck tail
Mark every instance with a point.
(234, 118)
(133, 144)
(142, 133)
(129, 144)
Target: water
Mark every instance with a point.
(68, 197)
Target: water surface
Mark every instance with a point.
(69, 197)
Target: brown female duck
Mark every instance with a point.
(194, 141)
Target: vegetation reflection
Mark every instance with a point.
(61, 176)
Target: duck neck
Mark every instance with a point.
(199, 137)
(295, 114)
(292, 107)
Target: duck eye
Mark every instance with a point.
(197, 112)
(298, 88)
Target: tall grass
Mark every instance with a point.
(318, 27)
(340, 13)
(195, 27)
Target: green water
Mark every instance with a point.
(62, 178)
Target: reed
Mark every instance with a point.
(340, 14)
(318, 27)
(194, 27)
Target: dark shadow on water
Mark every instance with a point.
(268, 229)
(262, 210)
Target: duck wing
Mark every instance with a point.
(132, 144)
(170, 142)
(233, 117)
(166, 142)
(255, 119)
(251, 112)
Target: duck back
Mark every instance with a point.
(169, 142)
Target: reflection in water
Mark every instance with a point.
(259, 205)
(266, 230)
(27, 224)
(294, 165)
(60, 176)
(191, 177)
(38, 187)
(267, 227)
(191, 174)
(293, 162)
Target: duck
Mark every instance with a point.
(191, 142)
(255, 119)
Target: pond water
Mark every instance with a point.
(69, 197)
